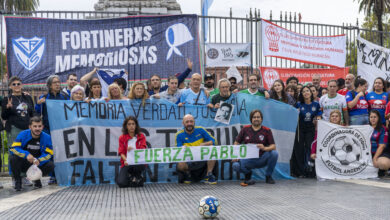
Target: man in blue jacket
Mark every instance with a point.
(31, 146)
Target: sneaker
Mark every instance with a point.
(37, 184)
(211, 179)
(26, 182)
(18, 185)
(248, 182)
(52, 181)
(269, 180)
(187, 178)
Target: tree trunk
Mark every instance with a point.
(378, 14)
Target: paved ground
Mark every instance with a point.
(289, 199)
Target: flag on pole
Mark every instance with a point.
(206, 4)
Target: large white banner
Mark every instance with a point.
(321, 50)
(190, 154)
(344, 152)
(228, 55)
(373, 61)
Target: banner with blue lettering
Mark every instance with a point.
(85, 135)
(37, 48)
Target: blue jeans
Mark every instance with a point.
(268, 159)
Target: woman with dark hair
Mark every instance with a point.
(131, 138)
(278, 93)
(138, 92)
(309, 112)
(378, 98)
(357, 103)
(95, 93)
(292, 90)
(380, 152)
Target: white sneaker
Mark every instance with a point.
(26, 182)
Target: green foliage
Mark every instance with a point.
(19, 5)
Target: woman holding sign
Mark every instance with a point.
(132, 138)
(357, 103)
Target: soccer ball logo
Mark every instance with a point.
(346, 150)
(209, 207)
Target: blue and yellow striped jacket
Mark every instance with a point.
(18, 148)
(200, 135)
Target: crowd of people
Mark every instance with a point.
(343, 102)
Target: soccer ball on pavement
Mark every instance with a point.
(209, 207)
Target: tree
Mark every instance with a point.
(378, 7)
(19, 5)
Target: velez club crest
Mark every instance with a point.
(29, 52)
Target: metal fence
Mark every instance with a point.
(223, 30)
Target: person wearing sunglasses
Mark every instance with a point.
(17, 109)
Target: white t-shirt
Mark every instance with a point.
(329, 104)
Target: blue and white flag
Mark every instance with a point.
(107, 76)
(143, 46)
(85, 135)
(206, 4)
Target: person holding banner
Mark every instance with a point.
(96, 91)
(53, 84)
(309, 112)
(138, 92)
(379, 150)
(194, 95)
(278, 93)
(378, 98)
(31, 146)
(155, 80)
(333, 101)
(77, 93)
(357, 103)
(293, 92)
(254, 88)
(193, 135)
(258, 134)
(224, 94)
(335, 118)
(114, 92)
(131, 139)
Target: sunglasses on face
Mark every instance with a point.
(16, 84)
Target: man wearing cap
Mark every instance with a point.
(155, 80)
(31, 146)
(209, 84)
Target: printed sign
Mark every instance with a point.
(373, 61)
(283, 43)
(270, 74)
(190, 154)
(37, 48)
(344, 152)
(228, 55)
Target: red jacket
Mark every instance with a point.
(124, 139)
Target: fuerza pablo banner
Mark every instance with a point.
(85, 136)
(143, 46)
(320, 50)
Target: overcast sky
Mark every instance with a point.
(313, 11)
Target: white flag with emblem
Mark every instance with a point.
(344, 152)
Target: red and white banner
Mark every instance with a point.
(282, 43)
(270, 74)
